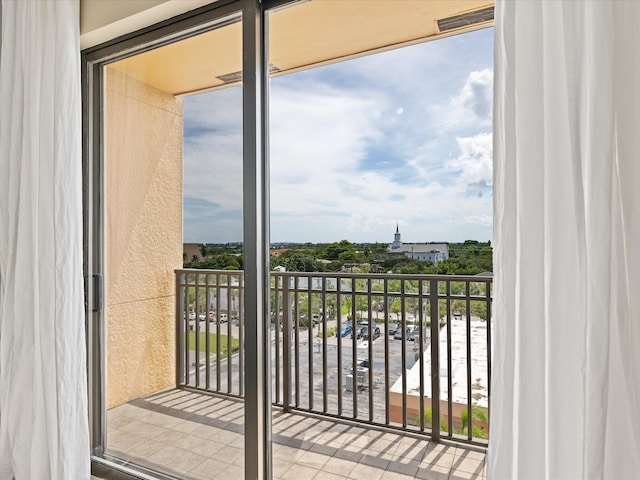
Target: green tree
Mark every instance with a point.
(225, 261)
(396, 306)
(479, 309)
(333, 250)
(349, 256)
(362, 305)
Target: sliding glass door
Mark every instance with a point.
(191, 337)
(175, 165)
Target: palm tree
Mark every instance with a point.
(478, 417)
(428, 416)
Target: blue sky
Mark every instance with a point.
(402, 137)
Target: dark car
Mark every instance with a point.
(358, 331)
(393, 328)
(414, 335)
(398, 334)
(365, 333)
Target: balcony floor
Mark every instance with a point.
(200, 437)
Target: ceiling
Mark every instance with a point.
(307, 34)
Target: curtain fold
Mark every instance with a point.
(566, 371)
(43, 396)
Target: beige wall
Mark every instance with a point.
(143, 170)
(102, 20)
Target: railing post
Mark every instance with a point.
(180, 322)
(286, 344)
(435, 360)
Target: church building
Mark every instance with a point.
(425, 252)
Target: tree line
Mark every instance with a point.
(466, 258)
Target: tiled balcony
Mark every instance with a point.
(344, 406)
(199, 436)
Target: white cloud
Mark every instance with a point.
(317, 129)
(213, 148)
(483, 220)
(476, 96)
(319, 136)
(475, 161)
(471, 107)
(358, 146)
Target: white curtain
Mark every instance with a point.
(566, 371)
(43, 396)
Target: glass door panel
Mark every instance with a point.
(173, 198)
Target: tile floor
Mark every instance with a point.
(200, 437)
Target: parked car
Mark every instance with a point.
(414, 335)
(192, 315)
(358, 331)
(398, 334)
(393, 328)
(365, 333)
(363, 363)
(314, 319)
(345, 330)
(202, 317)
(224, 318)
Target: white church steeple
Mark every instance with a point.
(397, 243)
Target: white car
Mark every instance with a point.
(192, 315)
(224, 318)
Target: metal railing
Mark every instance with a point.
(361, 347)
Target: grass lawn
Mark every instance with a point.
(212, 345)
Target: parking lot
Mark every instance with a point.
(331, 358)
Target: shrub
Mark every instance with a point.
(428, 415)
(478, 415)
(331, 332)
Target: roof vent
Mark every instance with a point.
(230, 77)
(466, 19)
(237, 76)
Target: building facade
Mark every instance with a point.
(424, 252)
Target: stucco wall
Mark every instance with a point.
(103, 20)
(143, 242)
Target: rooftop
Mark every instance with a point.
(479, 377)
(421, 247)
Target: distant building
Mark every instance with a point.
(192, 251)
(425, 252)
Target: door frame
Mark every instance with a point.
(258, 454)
